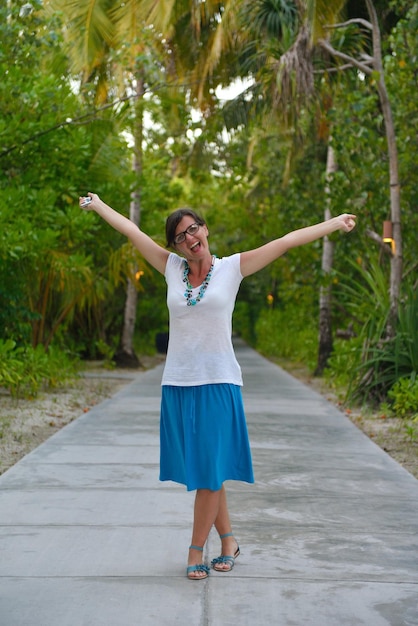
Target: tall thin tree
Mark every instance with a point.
(372, 65)
(107, 44)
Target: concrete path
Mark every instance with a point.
(328, 534)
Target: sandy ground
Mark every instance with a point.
(24, 424)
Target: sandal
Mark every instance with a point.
(200, 567)
(222, 559)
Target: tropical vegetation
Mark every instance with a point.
(264, 115)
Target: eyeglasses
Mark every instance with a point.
(191, 230)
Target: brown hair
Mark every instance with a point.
(174, 220)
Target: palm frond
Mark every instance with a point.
(88, 31)
(322, 13)
(294, 74)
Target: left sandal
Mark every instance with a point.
(225, 559)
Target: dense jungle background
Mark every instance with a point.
(263, 115)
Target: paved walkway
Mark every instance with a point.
(329, 532)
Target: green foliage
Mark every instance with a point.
(10, 365)
(63, 272)
(404, 396)
(365, 297)
(241, 321)
(288, 334)
(25, 370)
(371, 363)
(53, 257)
(343, 362)
(389, 360)
(401, 66)
(407, 327)
(108, 352)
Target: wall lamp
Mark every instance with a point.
(388, 234)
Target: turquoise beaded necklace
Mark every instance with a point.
(189, 289)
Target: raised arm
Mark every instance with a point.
(155, 254)
(254, 260)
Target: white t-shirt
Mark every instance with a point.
(200, 350)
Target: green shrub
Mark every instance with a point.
(288, 334)
(404, 395)
(385, 361)
(372, 361)
(25, 370)
(343, 361)
(11, 365)
(241, 320)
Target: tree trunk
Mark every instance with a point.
(395, 191)
(126, 356)
(325, 324)
(377, 72)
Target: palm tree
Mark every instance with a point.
(202, 39)
(209, 39)
(372, 65)
(292, 89)
(271, 41)
(109, 46)
(277, 38)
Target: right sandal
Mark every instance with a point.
(225, 559)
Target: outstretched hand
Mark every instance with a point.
(89, 206)
(347, 222)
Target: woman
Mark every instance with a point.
(203, 431)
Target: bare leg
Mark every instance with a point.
(222, 521)
(206, 509)
(223, 526)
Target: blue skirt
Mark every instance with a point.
(203, 436)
